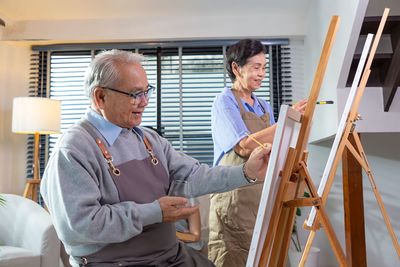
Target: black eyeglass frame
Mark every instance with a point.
(147, 93)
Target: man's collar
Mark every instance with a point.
(108, 130)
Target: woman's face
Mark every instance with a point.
(253, 72)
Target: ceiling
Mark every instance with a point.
(21, 10)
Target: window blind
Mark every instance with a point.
(281, 77)
(190, 80)
(38, 79)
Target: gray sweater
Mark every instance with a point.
(83, 200)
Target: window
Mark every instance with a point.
(187, 75)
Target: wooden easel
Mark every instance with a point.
(32, 185)
(350, 136)
(295, 178)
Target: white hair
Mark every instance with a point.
(103, 70)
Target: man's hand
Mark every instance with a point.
(256, 165)
(173, 208)
(300, 106)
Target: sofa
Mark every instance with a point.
(27, 235)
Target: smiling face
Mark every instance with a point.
(250, 76)
(118, 108)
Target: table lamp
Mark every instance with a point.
(35, 115)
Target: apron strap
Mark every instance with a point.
(265, 117)
(149, 149)
(107, 156)
(239, 101)
(90, 129)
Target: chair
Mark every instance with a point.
(189, 231)
(27, 235)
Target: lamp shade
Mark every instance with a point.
(36, 115)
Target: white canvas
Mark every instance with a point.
(286, 135)
(342, 125)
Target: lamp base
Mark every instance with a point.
(31, 189)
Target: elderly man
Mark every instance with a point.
(106, 183)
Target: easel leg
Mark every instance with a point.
(353, 203)
(287, 230)
(282, 240)
(323, 217)
(337, 249)
(307, 248)
(376, 192)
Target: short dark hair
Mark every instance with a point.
(240, 52)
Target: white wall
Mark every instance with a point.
(375, 7)
(174, 19)
(351, 14)
(374, 119)
(297, 68)
(162, 28)
(14, 71)
(382, 153)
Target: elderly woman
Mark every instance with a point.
(237, 113)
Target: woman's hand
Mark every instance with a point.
(300, 106)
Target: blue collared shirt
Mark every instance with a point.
(108, 130)
(227, 125)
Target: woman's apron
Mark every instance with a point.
(233, 214)
(141, 181)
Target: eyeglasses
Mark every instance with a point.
(137, 95)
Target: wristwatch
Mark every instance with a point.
(250, 180)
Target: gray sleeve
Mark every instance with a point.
(84, 208)
(204, 180)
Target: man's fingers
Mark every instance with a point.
(173, 208)
(176, 201)
(178, 213)
(187, 211)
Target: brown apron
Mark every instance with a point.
(233, 214)
(142, 181)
